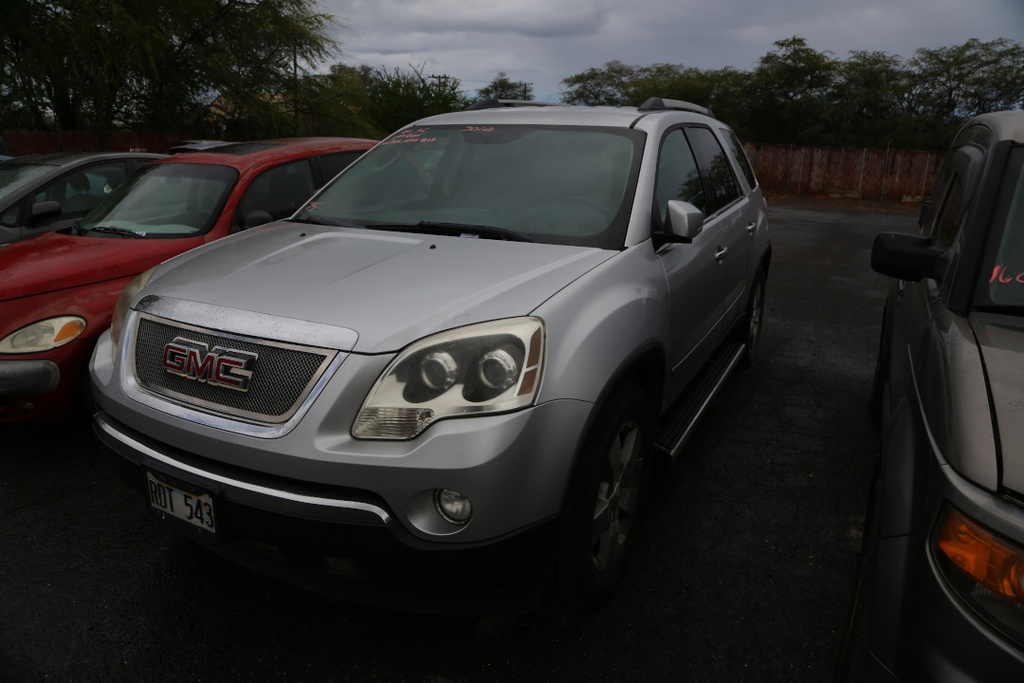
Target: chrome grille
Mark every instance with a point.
(282, 375)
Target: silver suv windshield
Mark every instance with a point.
(553, 184)
(169, 200)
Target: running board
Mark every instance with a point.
(683, 416)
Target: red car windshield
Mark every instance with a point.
(171, 200)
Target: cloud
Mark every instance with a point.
(544, 41)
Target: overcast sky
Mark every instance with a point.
(544, 41)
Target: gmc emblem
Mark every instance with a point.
(222, 367)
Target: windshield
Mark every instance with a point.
(1004, 286)
(169, 200)
(15, 174)
(562, 185)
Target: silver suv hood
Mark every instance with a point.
(390, 288)
(1002, 348)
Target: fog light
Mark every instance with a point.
(453, 506)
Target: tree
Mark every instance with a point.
(866, 102)
(226, 65)
(790, 93)
(335, 103)
(501, 88)
(608, 86)
(953, 83)
(396, 98)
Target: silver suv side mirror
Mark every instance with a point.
(685, 221)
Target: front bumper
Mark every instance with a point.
(27, 377)
(339, 541)
(28, 390)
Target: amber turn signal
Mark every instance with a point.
(992, 563)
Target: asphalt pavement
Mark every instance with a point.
(744, 571)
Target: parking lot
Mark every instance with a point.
(744, 571)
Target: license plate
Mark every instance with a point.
(196, 509)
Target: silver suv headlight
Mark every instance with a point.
(491, 367)
(124, 302)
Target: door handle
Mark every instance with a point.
(751, 227)
(720, 254)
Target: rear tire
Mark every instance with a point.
(608, 501)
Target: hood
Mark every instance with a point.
(55, 261)
(1002, 348)
(390, 288)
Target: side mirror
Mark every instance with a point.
(254, 218)
(907, 257)
(684, 222)
(41, 211)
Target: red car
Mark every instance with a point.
(58, 290)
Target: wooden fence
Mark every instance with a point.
(878, 174)
(21, 142)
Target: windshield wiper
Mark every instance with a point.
(486, 231)
(123, 232)
(319, 220)
(456, 230)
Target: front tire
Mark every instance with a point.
(751, 329)
(608, 501)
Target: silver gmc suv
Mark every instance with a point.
(448, 380)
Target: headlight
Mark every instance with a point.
(43, 335)
(124, 303)
(491, 367)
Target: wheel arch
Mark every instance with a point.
(645, 368)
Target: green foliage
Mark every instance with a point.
(502, 88)
(594, 87)
(396, 98)
(336, 104)
(225, 67)
(798, 95)
(245, 69)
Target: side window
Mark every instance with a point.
(333, 164)
(80, 191)
(953, 193)
(944, 229)
(741, 157)
(279, 191)
(12, 216)
(719, 178)
(678, 177)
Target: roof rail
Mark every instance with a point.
(493, 103)
(661, 104)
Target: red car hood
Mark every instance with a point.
(54, 262)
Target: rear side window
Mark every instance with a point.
(741, 157)
(719, 178)
(280, 191)
(333, 164)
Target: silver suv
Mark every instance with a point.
(448, 379)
